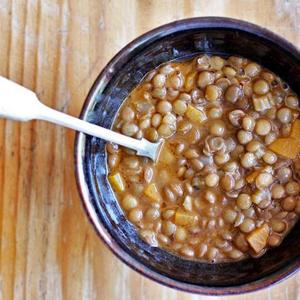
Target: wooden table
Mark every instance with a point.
(48, 248)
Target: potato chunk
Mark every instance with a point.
(258, 238)
(287, 147)
(117, 182)
(166, 156)
(261, 103)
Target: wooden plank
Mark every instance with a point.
(48, 249)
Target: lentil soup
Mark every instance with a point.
(226, 183)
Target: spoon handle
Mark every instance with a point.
(21, 104)
(143, 147)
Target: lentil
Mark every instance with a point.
(284, 115)
(244, 201)
(260, 87)
(262, 127)
(289, 203)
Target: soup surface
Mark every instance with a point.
(226, 184)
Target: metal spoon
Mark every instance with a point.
(21, 104)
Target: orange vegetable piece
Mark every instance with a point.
(152, 192)
(295, 132)
(195, 115)
(190, 81)
(166, 156)
(287, 147)
(117, 182)
(184, 218)
(252, 176)
(258, 238)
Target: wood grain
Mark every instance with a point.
(48, 248)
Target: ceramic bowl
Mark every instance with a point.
(177, 40)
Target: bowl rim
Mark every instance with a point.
(102, 232)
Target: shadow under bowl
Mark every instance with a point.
(177, 40)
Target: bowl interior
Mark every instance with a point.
(112, 87)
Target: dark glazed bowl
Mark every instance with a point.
(176, 40)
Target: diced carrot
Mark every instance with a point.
(184, 218)
(152, 192)
(252, 176)
(295, 132)
(117, 182)
(195, 115)
(287, 147)
(258, 238)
